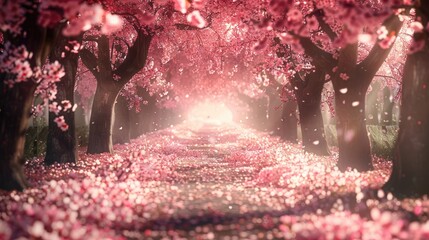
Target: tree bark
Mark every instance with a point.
(260, 113)
(62, 145)
(353, 141)
(15, 107)
(409, 176)
(100, 124)
(309, 94)
(411, 159)
(274, 113)
(288, 124)
(15, 103)
(121, 129)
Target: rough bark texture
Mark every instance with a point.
(411, 159)
(288, 124)
(62, 145)
(100, 125)
(308, 92)
(15, 105)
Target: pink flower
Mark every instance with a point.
(416, 46)
(344, 76)
(195, 19)
(113, 23)
(66, 105)
(417, 27)
(181, 5)
(382, 32)
(387, 42)
(198, 4)
(55, 108)
(61, 123)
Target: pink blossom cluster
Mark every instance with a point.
(97, 198)
(15, 61)
(81, 16)
(11, 14)
(194, 17)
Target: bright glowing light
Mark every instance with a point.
(210, 112)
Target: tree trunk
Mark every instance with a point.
(274, 112)
(260, 113)
(62, 145)
(109, 83)
(353, 142)
(288, 124)
(387, 115)
(121, 126)
(410, 176)
(312, 128)
(309, 95)
(15, 107)
(102, 115)
(15, 103)
(351, 81)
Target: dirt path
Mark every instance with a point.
(211, 199)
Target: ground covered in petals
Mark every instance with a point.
(199, 181)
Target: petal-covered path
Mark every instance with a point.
(201, 181)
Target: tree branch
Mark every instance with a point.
(103, 62)
(385, 76)
(91, 39)
(348, 58)
(89, 60)
(320, 57)
(377, 55)
(320, 15)
(136, 57)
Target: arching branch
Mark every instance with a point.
(377, 55)
(136, 57)
(89, 60)
(320, 16)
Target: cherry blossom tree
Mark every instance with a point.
(109, 82)
(410, 161)
(28, 29)
(334, 48)
(113, 69)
